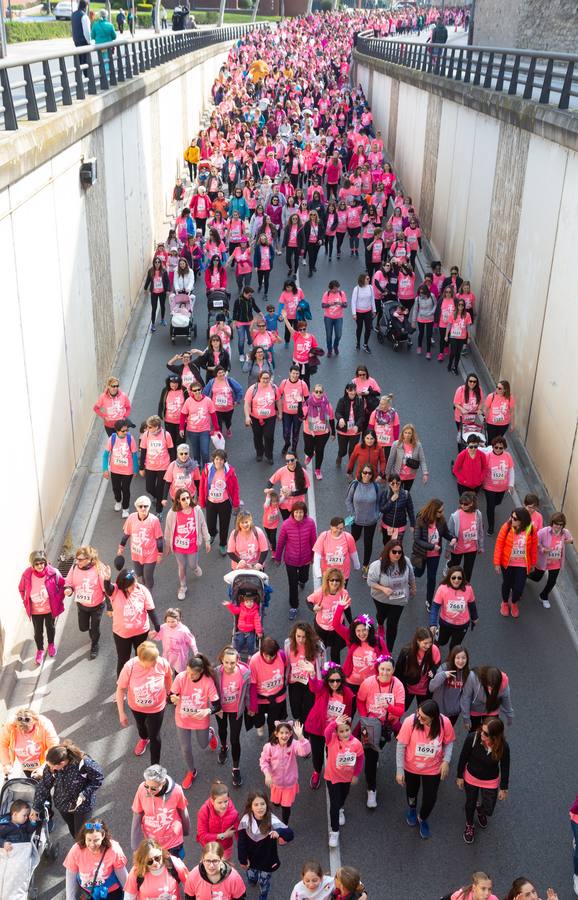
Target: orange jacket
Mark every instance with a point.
(44, 734)
(504, 544)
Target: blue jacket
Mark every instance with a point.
(239, 204)
(234, 385)
(16, 834)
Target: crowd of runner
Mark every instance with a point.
(289, 166)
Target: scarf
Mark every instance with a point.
(384, 416)
(317, 409)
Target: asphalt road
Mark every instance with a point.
(530, 832)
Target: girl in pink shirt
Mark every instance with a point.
(195, 697)
(214, 878)
(480, 888)
(333, 303)
(424, 750)
(146, 679)
(120, 463)
(132, 610)
(381, 696)
(384, 421)
(95, 860)
(303, 343)
(454, 605)
(161, 877)
(343, 766)
(335, 549)
(177, 640)
(278, 763)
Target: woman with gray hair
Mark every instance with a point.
(102, 31)
(159, 812)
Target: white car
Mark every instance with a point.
(64, 9)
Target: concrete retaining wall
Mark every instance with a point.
(494, 181)
(73, 263)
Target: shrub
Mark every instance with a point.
(326, 5)
(245, 4)
(16, 32)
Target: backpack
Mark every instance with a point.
(128, 440)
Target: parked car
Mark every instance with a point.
(64, 9)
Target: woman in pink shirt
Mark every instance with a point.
(480, 888)
(219, 495)
(381, 697)
(454, 607)
(499, 409)
(384, 421)
(304, 345)
(268, 691)
(499, 477)
(289, 300)
(552, 542)
(143, 530)
(468, 400)
(293, 243)
(457, 334)
(185, 531)
(333, 303)
(112, 405)
(325, 601)
(318, 426)
(171, 402)
(42, 590)
(95, 860)
(85, 582)
(343, 766)
(363, 644)
(335, 548)
(155, 873)
(146, 681)
(195, 697)
(261, 407)
(155, 447)
(182, 472)
(132, 610)
(423, 754)
(199, 417)
(120, 463)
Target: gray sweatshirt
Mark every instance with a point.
(400, 583)
(362, 502)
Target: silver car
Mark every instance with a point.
(64, 9)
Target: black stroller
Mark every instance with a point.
(217, 302)
(392, 329)
(250, 582)
(18, 868)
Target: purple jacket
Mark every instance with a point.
(296, 539)
(545, 542)
(54, 585)
(281, 762)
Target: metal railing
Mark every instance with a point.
(532, 74)
(48, 83)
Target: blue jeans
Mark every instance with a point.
(199, 443)
(242, 334)
(333, 332)
(263, 879)
(291, 430)
(244, 642)
(430, 565)
(575, 832)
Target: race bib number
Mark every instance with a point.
(264, 412)
(498, 474)
(188, 706)
(456, 331)
(346, 758)
(470, 534)
(336, 558)
(335, 709)
(382, 701)
(272, 685)
(83, 595)
(456, 607)
(298, 674)
(221, 400)
(425, 751)
(182, 543)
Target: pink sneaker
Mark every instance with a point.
(504, 609)
(39, 657)
(515, 611)
(51, 650)
(140, 746)
(188, 780)
(446, 351)
(229, 432)
(308, 460)
(315, 781)
(318, 474)
(440, 357)
(418, 351)
(428, 356)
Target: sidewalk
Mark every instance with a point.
(459, 37)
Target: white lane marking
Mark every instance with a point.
(334, 852)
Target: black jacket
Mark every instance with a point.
(396, 513)
(243, 309)
(149, 280)
(307, 232)
(206, 361)
(262, 855)
(64, 786)
(440, 34)
(421, 545)
(300, 236)
(343, 408)
(480, 763)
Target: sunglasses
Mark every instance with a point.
(334, 680)
(94, 826)
(142, 506)
(367, 473)
(154, 859)
(514, 518)
(335, 580)
(196, 390)
(317, 392)
(396, 552)
(23, 720)
(290, 461)
(114, 385)
(456, 578)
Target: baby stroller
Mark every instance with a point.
(252, 582)
(182, 321)
(472, 424)
(18, 867)
(217, 302)
(391, 328)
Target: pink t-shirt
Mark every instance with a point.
(161, 821)
(39, 601)
(198, 413)
(292, 394)
(262, 401)
(336, 302)
(384, 431)
(113, 408)
(87, 586)
(454, 604)
(363, 662)
(328, 604)
(84, 863)
(222, 395)
(243, 262)
(424, 755)
(499, 409)
(179, 476)
(28, 750)
(379, 697)
(178, 645)
(286, 479)
(218, 492)
(315, 425)
(364, 385)
(467, 541)
(248, 546)
(265, 263)
(342, 759)
(433, 537)
(129, 614)
(120, 454)
(193, 696)
(291, 302)
(518, 555)
(157, 448)
(231, 689)
(335, 553)
(146, 687)
(459, 326)
(499, 466)
(303, 342)
(269, 678)
(406, 473)
(143, 537)
(555, 552)
(446, 311)
(185, 537)
(196, 886)
(174, 401)
(158, 887)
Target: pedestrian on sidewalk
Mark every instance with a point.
(42, 590)
(85, 582)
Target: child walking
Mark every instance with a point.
(259, 832)
(177, 640)
(271, 517)
(279, 764)
(343, 766)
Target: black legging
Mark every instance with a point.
(456, 347)
(274, 712)
(427, 329)
(301, 701)
(493, 499)
(89, 620)
(514, 581)
(340, 238)
(225, 420)
(125, 646)
(312, 254)
(173, 430)
(292, 258)
(314, 445)
(222, 513)
(488, 798)
(371, 760)
(149, 729)
(368, 532)
(155, 485)
(263, 279)
(158, 298)
(496, 431)
(121, 488)
(345, 444)
(39, 623)
(229, 722)
(455, 634)
(538, 574)
(329, 241)
(332, 642)
(296, 575)
(363, 322)
(467, 564)
(264, 436)
(317, 742)
(429, 792)
(389, 613)
(338, 792)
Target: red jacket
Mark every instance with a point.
(195, 202)
(363, 456)
(222, 278)
(470, 472)
(230, 480)
(209, 824)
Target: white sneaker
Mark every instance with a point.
(198, 571)
(546, 604)
(182, 592)
(576, 885)
(334, 839)
(125, 514)
(242, 358)
(117, 506)
(371, 800)
(342, 817)
(260, 731)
